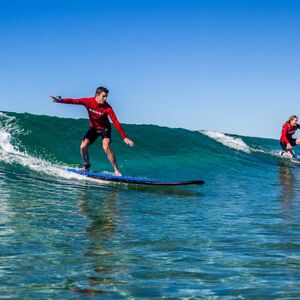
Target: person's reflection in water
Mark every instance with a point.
(287, 181)
(101, 232)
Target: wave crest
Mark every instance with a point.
(10, 153)
(228, 141)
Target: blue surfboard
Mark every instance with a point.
(134, 180)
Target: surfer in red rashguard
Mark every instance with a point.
(286, 140)
(99, 111)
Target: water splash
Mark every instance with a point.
(10, 153)
(228, 141)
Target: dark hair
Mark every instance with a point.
(101, 89)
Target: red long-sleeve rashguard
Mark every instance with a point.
(287, 131)
(98, 113)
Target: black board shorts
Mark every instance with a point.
(92, 134)
(292, 142)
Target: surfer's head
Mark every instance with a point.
(101, 94)
(293, 120)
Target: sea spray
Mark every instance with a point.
(228, 141)
(11, 154)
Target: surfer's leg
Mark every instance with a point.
(286, 152)
(110, 155)
(89, 138)
(294, 142)
(292, 153)
(84, 152)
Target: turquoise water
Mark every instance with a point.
(64, 237)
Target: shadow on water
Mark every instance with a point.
(104, 221)
(289, 178)
(103, 209)
(287, 181)
(119, 187)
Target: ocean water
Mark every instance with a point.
(67, 237)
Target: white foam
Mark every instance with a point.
(5, 141)
(228, 141)
(10, 154)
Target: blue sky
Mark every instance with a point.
(223, 65)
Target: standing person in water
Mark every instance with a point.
(99, 111)
(286, 140)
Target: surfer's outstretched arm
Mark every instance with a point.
(79, 101)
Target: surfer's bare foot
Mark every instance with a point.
(86, 167)
(285, 154)
(118, 173)
(80, 169)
